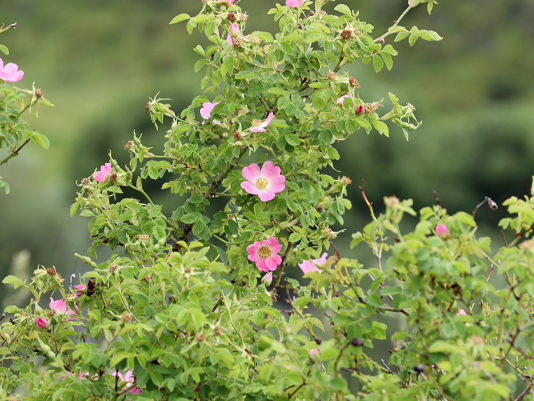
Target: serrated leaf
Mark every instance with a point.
(429, 35)
(295, 237)
(180, 18)
(342, 8)
(377, 63)
(413, 39)
(293, 37)
(401, 36)
(41, 140)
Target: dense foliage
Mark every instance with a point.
(183, 311)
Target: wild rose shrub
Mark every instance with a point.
(184, 311)
(15, 133)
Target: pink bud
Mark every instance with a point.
(442, 231)
(80, 290)
(267, 279)
(314, 351)
(461, 312)
(41, 323)
(359, 109)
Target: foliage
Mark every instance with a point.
(183, 309)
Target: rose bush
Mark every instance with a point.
(184, 309)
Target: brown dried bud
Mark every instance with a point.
(254, 39)
(477, 339)
(274, 297)
(410, 106)
(346, 34)
(526, 244)
(243, 17)
(311, 14)
(356, 32)
(248, 351)
(354, 83)
(38, 93)
(346, 180)
(187, 270)
(256, 123)
(200, 336)
(61, 279)
(50, 313)
(323, 12)
(391, 201)
(331, 76)
(112, 267)
(217, 329)
(50, 271)
(231, 17)
(128, 145)
(357, 342)
(147, 106)
(86, 181)
(237, 136)
(329, 233)
(266, 48)
(143, 237)
(126, 317)
(113, 177)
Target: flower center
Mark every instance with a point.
(264, 252)
(261, 183)
(256, 123)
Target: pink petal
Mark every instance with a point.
(266, 196)
(359, 109)
(234, 28)
(257, 129)
(273, 262)
(229, 39)
(277, 188)
(250, 188)
(251, 173)
(269, 170)
(1, 64)
(274, 244)
(251, 250)
(322, 259)
(268, 120)
(260, 264)
(11, 68)
(461, 312)
(106, 169)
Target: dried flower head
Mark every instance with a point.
(217, 329)
(410, 106)
(50, 313)
(526, 244)
(346, 180)
(354, 83)
(200, 336)
(86, 181)
(147, 106)
(311, 14)
(38, 93)
(243, 17)
(391, 201)
(50, 271)
(331, 76)
(254, 39)
(237, 136)
(128, 145)
(266, 48)
(231, 17)
(477, 339)
(126, 317)
(113, 177)
(329, 233)
(187, 270)
(112, 267)
(143, 237)
(346, 34)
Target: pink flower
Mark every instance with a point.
(130, 379)
(294, 3)
(60, 307)
(41, 323)
(259, 126)
(309, 266)
(359, 109)
(264, 253)
(265, 182)
(314, 351)
(340, 100)
(461, 312)
(442, 231)
(10, 73)
(80, 290)
(234, 31)
(267, 279)
(101, 175)
(206, 109)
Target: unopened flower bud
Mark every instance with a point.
(112, 267)
(359, 109)
(331, 76)
(128, 145)
(357, 342)
(217, 329)
(346, 34)
(329, 233)
(38, 93)
(267, 279)
(126, 317)
(354, 82)
(200, 337)
(346, 180)
(442, 231)
(231, 17)
(391, 201)
(50, 271)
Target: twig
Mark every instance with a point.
(369, 204)
(385, 364)
(3, 316)
(437, 199)
(294, 392)
(282, 266)
(492, 205)
(504, 239)
(15, 152)
(523, 394)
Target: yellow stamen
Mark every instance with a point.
(264, 252)
(256, 123)
(261, 183)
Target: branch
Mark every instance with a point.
(15, 152)
(282, 266)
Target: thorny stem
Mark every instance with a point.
(11, 26)
(369, 204)
(524, 393)
(395, 24)
(15, 152)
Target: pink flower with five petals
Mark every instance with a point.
(294, 3)
(101, 175)
(461, 312)
(259, 126)
(206, 109)
(265, 254)
(310, 265)
(265, 182)
(60, 307)
(11, 72)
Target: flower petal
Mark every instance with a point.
(250, 188)
(269, 170)
(257, 129)
(268, 120)
(266, 196)
(251, 173)
(260, 264)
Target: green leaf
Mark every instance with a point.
(388, 60)
(4, 49)
(401, 36)
(429, 35)
(41, 140)
(295, 237)
(292, 139)
(180, 18)
(413, 39)
(342, 8)
(199, 64)
(293, 37)
(377, 63)
(283, 102)
(201, 18)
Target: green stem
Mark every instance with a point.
(395, 24)
(15, 152)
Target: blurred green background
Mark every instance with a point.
(99, 61)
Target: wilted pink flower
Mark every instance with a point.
(80, 290)
(314, 351)
(130, 379)
(294, 3)
(41, 323)
(309, 266)
(442, 231)
(461, 312)
(265, 182)
(260, 127)
(207, 108)
(265, 254)
(101, 175)
(10, 73)
(234, 31)
(267, 279)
